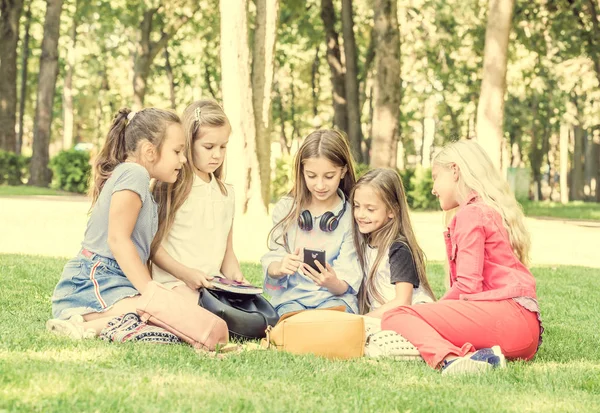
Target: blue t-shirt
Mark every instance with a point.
(127, 176)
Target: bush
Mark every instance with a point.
(71, 170)
(406, 177)
(421, 184)
(360, 169)
(282, 183)
(13, 168)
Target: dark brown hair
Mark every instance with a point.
(123, 138)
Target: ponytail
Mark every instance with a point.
(113, 153)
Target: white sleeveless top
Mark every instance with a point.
(198, 238)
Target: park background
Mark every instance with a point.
(400, 77)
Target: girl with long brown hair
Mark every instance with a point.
(315, 215)
(99, 289)
(391, 259)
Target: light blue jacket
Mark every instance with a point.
(340, 254)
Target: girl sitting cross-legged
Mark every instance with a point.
(315, 215)
(99, 289)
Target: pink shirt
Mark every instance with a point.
(483, 266)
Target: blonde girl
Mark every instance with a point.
(315, 215)
(195, 237)
(490, 310)
(392, 261)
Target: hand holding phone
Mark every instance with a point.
(322, 273)
(310, 256)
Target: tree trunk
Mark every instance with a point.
(295, 130)
(314, 83)
(577, 171)
(24, 74)
(564, 163)
(351, 81)
(148, 49)
(142, 60)
(490, 110)
(267, 14)
(340, 113)
(283, 139)
(10, 14)
(40, 175)
(171, 78)
(536, 154)
(68, 87)
(387, 84)
(237, 102)
(208, 81)
(589, 164)
(596, 156)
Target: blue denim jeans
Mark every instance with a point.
(292, 306)
(90, 283)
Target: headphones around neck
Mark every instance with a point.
(328, 222)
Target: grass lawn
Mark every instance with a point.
(41, 372)
(572, 210)
(7, 190)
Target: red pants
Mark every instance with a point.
(456, 327)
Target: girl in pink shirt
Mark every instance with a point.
(490, 311)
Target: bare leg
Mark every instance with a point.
(98, 321)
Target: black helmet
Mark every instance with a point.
(247, 316)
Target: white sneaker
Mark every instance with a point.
(388, 343)
(72, 328)
(372, 325)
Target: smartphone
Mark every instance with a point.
(311, 255)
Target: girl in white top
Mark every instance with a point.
(392, 261)
(196, 213)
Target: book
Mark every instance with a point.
(220, 283)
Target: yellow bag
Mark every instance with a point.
(331, 334)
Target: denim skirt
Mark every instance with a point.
(90, 283)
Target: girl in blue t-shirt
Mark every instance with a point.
(315, 215)
(99, 289)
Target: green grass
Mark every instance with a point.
(8, 190)
(572, 210)
(41, 372)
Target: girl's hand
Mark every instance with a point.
(325, 278)
(196, 279)
(290, 263)
(239, 277)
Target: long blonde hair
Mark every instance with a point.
(330, 144)
(388, 185)
(478, 174)
(197, 117)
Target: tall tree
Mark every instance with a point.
(351, 81)
(387, 84)
(334, 60)
(10, 14)
(24, 74)
(237, 101)
(171, 78)
(147, 49)
(68, 110)
(40, 175)
(490, 110)
(267, 12)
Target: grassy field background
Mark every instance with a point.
(41, 372)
